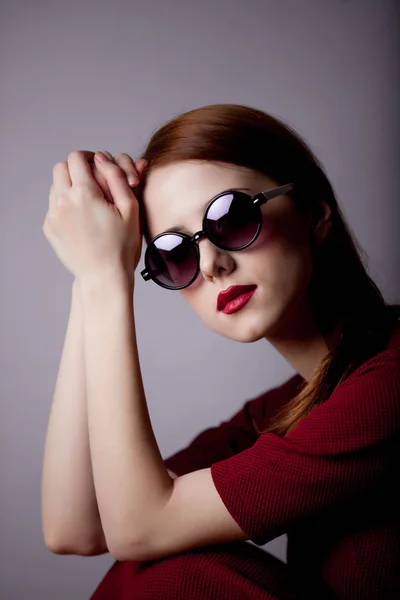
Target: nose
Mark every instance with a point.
(214, 261)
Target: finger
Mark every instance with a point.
(90, 155)
(127, 164)
(101, 180)
(141, 165)
(79, 168)
(117, 182)
(61, 176)
(110, 156)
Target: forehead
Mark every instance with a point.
(178, 193)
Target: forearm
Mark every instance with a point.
(70, 517)
(130, 477)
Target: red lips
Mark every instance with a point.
(232, 292)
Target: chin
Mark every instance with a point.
(244, 330)
(247, 336)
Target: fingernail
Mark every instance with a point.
(132, 180)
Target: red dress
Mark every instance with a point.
(331, 484)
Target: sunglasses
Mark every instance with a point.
(232, 221)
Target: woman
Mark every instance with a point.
(239, 216)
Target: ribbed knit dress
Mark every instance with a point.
(332, 485)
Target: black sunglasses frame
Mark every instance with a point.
(258, 200)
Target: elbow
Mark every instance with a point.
(58, 545)
(127, 551)
(125, 547)
(135, 551)
(54, 543)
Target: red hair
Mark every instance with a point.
(345, 297)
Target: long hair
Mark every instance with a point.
(343, 294)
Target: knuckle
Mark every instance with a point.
(63, 197)
(122, 156)
(120, 173)
(47, 222)
(80, 192)
(74, 154)
(58, 165)
(62, 201)
(115, 169)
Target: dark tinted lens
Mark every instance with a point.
(172, 260)
(233, 220)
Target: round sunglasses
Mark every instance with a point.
(232, 221)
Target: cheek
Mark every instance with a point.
(281, 257)
(200, 298)
(268, 244)
(281, 235)
(293, 270)
(191, 294)
(272, 234)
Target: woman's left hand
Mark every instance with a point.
(90, 235)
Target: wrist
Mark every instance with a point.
(104, 286)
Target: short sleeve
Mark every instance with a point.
(342, 448)
(236, 434)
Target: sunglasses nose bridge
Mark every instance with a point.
(198, 236)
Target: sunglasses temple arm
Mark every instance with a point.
(146, 276)
(269, 194)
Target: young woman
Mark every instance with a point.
(240, 218)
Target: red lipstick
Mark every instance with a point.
(234, 298)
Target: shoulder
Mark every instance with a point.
(362, 411)
(379, 371)
(380, 374)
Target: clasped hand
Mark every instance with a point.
(93, 222)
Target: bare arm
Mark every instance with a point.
(70, 516)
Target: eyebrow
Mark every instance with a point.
(183, 229)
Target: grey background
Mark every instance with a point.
(102, 75)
